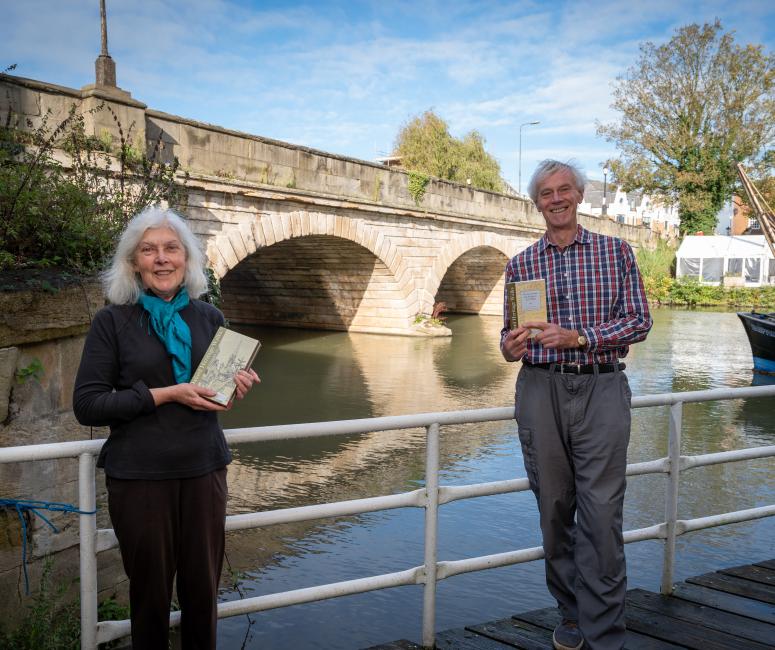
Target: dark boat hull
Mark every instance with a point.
(760, 329)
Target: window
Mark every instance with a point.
(753, 269)
(772, 272)
(689, 267)
(753, 224)
(735, 266)
(712, 269)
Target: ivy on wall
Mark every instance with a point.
(418, 183)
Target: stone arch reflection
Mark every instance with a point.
(471, 361)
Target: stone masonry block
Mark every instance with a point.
(311, 162)
(8, 358)
(287, 227)
(264, 222)
(226, 250)
(235, 239)
(215, 260)
(296, 225)
(248, 238)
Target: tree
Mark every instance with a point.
(691, 109)
(426, 145)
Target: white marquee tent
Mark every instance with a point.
(744, 260)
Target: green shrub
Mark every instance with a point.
(667, 291)
(50, 624)
(418, 182)
(657, 263)
(53, 622)
(70, 216)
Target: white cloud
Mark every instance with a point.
(345, 75)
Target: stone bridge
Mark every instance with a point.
(304, 238)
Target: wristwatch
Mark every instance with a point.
(582, 340)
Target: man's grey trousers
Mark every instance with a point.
(574, 431)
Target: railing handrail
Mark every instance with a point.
(430, 498)
(73, 449)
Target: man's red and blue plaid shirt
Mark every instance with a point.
(593, 286)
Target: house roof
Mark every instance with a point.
(593, 193)
(723, 246)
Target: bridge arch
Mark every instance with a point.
(468, 273)
(313, 270)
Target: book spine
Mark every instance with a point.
(253, 356)
(511, 292)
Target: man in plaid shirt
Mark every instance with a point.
(573, 405)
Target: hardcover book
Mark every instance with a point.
(229, 351)
(527, 302)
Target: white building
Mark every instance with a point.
(633, 208)
(742, 260)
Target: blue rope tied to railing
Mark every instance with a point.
(21, 506)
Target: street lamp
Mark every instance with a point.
(604, 209)
(519, 164)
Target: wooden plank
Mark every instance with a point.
(728, 602)
(689, 635)
(401, 644)
(733, 585)
(767, 564)
(752, 572)
(464, 639)
(712, 618)
(515, 633)
(550, 617)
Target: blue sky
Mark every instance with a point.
(345, 76)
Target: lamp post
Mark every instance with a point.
(519, 164)
(604, 208)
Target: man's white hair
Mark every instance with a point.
(548, 167)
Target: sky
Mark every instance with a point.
(345, 76)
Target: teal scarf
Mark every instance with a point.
(172, 330)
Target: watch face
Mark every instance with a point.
(582, 341)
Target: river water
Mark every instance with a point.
(314, 376)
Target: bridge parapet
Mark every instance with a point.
(234, 156)
(306, 238)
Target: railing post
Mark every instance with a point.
(87, 502)
(671, 497)
(431, 535)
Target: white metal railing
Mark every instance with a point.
(92, 541)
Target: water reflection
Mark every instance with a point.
(313, 376)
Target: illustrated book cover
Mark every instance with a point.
(527, 302)
(229, 351)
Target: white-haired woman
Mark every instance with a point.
(165, 459)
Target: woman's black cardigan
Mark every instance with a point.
(122, 359)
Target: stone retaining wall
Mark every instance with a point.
(41, 338)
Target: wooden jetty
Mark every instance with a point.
(731, 609)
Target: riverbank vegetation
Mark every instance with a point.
(53, 620)
(663, 289)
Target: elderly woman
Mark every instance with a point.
(165, 459)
